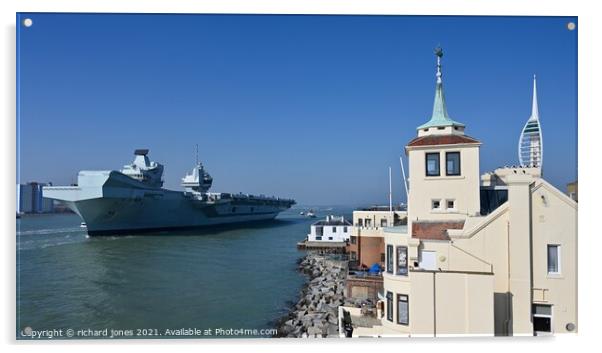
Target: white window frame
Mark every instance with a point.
(407, 301)
(558, 258)
(451, 209)
(436, 209)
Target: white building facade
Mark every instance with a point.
(332, 229)
(489, 255)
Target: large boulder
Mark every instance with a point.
(314, 331)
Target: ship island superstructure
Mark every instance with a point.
(133, 200)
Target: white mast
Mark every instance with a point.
(534, 107)
(405, 180)
(390, 193)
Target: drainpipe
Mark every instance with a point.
(434, 304)
(359, 246)
(508, 313)
(531, 252)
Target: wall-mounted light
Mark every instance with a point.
(544, 200)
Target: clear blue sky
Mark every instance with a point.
(310, 107)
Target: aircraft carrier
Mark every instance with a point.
(133, 200)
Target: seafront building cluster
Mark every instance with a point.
(490, 254)
(30, 200)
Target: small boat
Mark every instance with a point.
(302, 213)
(83, 225)
(311, 214)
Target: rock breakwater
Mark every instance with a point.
(316, 312)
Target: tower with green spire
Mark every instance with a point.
(440, 122)
(443, 166)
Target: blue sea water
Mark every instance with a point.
(243, 278)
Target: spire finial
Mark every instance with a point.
(440, 118)
(439, 54)
(439, 108)
(534, 107)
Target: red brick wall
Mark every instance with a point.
(369, 250)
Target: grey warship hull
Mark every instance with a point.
(111, 203)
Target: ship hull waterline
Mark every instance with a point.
(111, 203)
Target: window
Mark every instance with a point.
(542, 318)
(390, 258)
(329, 238)
(344, 229)
(451, 204)
(452, 163)
(402, 260)
(435, 205)
(353, 256)
(554, 259)
(432, 164)
(360, 222)
(368, 223)
(428, 260)
(353, 240)
(334, 229)
(319, 231)
(402, 309)
(383, 222)
(318, 238)
(390, 306)
(382, 257)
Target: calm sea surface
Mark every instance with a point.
(230, 278)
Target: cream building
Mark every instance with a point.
(489, 255)
(366, 246)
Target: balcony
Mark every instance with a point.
(399, 229)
